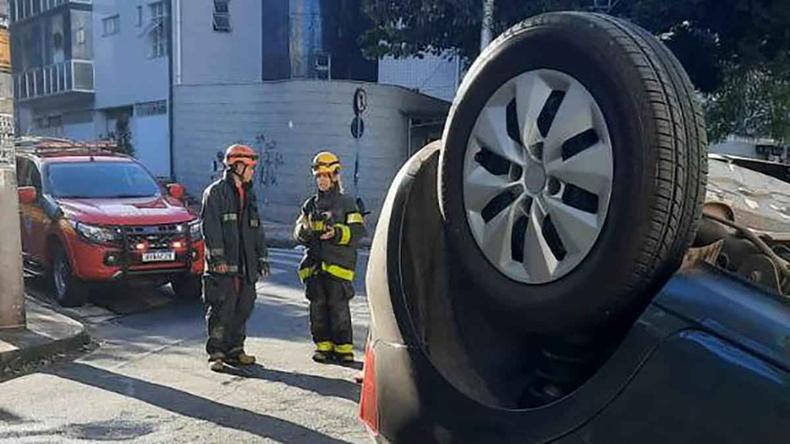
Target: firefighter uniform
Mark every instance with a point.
(327, 269)
(236, 254)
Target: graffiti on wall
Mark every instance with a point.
(270, 160)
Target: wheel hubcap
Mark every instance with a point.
(535, 179)
(538, 176)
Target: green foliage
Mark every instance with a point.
(735, 51)
(751, 102)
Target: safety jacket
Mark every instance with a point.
(337, 257)
(232, 229)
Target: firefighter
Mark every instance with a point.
(236, 255)
(330, 226)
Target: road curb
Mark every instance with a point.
(48, 333)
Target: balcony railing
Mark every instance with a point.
(23, 9)
(66, 77)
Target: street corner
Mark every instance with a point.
(47, 335)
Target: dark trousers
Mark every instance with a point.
(228, 310)
(330, 317)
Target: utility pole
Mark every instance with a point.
(12, 287)
(487, 23)
(12, 299)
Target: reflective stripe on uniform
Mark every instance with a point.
(324, 346)
(255, 223)
(216, 251)
(305, 273)
(345, 234)
(230, 217)
(318, 225)
(231, 268)
(338, 271)
(344, 348)
(355, 218)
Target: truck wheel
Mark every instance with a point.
(573, 169)
(188, 287)
(70, 291)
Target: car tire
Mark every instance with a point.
(69, 290)
(189, 287)
(586, 125)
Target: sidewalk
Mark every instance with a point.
(48, 333)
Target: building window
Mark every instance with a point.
(80, 36)
(154, 108)
(157, 35)
(139, 16)
(54, 121)
(112, 25)
(157, 10)
(221, 16)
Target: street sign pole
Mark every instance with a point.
(12, 300)
(357, 129)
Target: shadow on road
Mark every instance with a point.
(193, 406)
(7, 417)
(321, 385)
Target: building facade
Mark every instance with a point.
(52, 59)
(289, 94)
(88, 69)
(762, 149)
(132, 77)
(181, 79)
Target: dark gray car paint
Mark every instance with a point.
(696, 330)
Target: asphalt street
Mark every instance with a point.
(148, 379)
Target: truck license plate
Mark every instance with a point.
(159, 256)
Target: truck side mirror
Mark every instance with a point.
(176, 190)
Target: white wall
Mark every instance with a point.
(79, 126)
(432, 75)
(124, 72)
(204, 56)
(735, 148)
(151, 141)
(297, 118)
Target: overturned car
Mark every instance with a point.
(550, 271)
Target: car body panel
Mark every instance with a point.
(758, 200)
(697, 387)
(703, 324)
(34, 221)
(134, 211)
(50, 222)
(734, 309)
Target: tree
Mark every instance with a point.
(721, 43)
(414, 27)
(751, 102)
(706, 35)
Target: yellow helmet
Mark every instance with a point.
(326, 162)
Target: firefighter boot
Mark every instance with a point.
(241, 359)
(216, 362)
(323, 352)
(344, 353)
